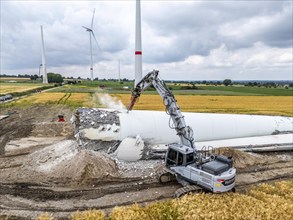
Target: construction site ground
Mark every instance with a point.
(42, 169)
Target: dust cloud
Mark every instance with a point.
(110, 102)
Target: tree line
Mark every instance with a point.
(57, 78)
(52, 77)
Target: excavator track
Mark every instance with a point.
(187, 189)
(166, 176)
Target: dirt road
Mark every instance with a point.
(43, 169)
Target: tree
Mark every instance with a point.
(34, 77)
(54, 78)
(227, 82)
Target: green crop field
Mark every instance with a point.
(250, 90)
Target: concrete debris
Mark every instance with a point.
(98, 116)
(130, 149)
(96, 129)
(138, 169)
(99, 130)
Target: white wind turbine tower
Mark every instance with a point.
(138, 51)
(45, 77)
(91, 33)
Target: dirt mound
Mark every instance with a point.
(62, 164)
(88, 168)
(241, 159)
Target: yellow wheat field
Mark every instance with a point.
(17, 79)
(262, 202)
(264, 105)
(70, 99)
(268, 105)
(9, 88)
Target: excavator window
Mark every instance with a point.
(180, 159)
(189, 158)
(172, 157)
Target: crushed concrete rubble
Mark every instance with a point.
(97, 129)
(94, 118)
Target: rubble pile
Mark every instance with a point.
(97, 129)
(94, 118)
(100, 130)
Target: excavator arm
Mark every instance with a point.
(184, 132)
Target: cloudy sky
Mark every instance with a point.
(189, 40)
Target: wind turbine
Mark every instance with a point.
(138, 51)
(91, 33)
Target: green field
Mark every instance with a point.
(240, 90)
(116, 87)
(104, 86)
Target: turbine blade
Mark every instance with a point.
(93, 19)
(88, 29)
(96, 41)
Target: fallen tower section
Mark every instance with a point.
(144, 134)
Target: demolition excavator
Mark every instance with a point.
(196, 170)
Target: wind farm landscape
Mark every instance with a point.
(88, 126)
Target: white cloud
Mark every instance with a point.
(183, 39)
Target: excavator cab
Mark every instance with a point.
(179, 155)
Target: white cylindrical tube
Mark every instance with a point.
(153, 126)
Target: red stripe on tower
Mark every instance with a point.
(138, 53)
